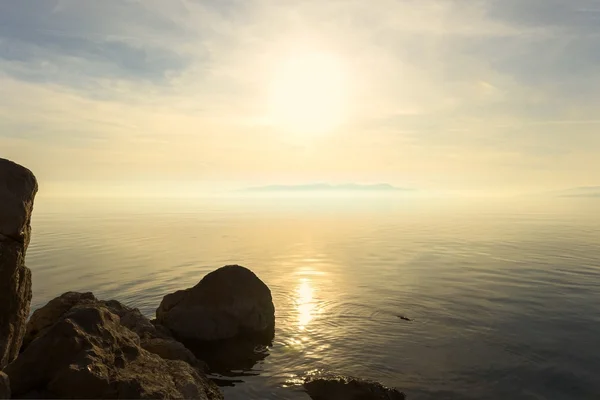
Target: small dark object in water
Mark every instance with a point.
(404, 318)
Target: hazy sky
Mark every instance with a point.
(462, 94)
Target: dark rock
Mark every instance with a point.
(18, 188)
(226, 320)
(225, 356)
(4, 386)
(36, 395)
(171, 349)
(89, 353)
(153, 338)
(336, 387)
(405, 318)
(43, 318)
(231, 302)
(46, 316)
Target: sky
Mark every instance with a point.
(186, 95)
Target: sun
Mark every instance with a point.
(308, 94)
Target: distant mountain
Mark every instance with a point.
(585, 191)
(326, 187)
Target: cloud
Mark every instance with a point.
(572, 16)
(74, 43)
(442, 92)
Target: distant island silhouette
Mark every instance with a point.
(379, 187)
(584, 191)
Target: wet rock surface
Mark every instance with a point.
(18, 187)
(338, 387)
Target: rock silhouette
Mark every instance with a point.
(231, 302)
(18, 188)
(338, 387)
(226, 320)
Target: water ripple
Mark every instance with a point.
(503, 304)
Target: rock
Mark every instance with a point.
(18, 188)
(89, 353)
(337, 387)
(153, 338)
(231, 302)
(4, 386)
(170, 349)
(43, 318)
(225, 356)
(225, 320)
(133, 319)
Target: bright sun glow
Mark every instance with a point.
(308, 93)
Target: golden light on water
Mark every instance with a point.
(304, 303)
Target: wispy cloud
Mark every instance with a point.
(442, 93)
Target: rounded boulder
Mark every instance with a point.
(231, 302)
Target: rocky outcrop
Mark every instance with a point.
(45, 317)
(337, 387)
(4, 386)
(18, 188)
(90, 353)
(231, 302)
(153, 338)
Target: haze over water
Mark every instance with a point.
(504, 295)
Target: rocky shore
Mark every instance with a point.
(78, 346)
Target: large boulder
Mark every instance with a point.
(89, 353)
(4, 386)
(18, 188)
(338, 387)
(153, 338)
(231, 302)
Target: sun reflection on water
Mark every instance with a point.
(304, 303)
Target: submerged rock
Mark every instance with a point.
(231, 302)
(153, 338)
(337, 387)
(89, 353)
(4, 386)
(18, 188)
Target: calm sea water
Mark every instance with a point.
(504, 296)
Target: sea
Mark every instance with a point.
(501, 297)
